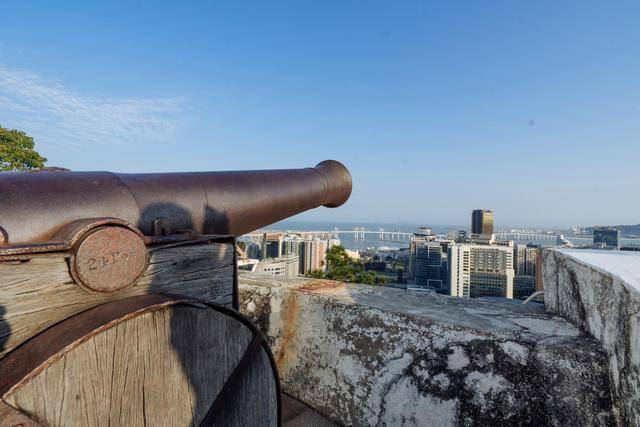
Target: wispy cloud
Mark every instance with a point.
(58, 116)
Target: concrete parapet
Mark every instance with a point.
(366, 355)
(599, 291)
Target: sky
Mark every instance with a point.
(528, 108)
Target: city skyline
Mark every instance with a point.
(299, 221)
(291, 214)
(521, 108)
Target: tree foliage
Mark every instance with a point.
(341, 267)
(17, 151)
(316, 274)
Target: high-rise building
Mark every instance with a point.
(431, 266)
(444, 270)
(253, 250)
(272, 245)
(291, 245)
(523, 286)
(606, 238)
(423, 234)
(313, 255)
(482, 222)
(525, 259)
(481, 270)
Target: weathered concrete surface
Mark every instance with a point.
(365, 355)
(297, 414)
(599, 291)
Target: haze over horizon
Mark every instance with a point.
(498, 226)
(529, 109)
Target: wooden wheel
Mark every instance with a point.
(145, 360)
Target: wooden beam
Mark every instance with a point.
(39, 292)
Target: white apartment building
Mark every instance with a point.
(353, 254)
(481, 270)
(333, 242)
(313, 255)
(286, 265)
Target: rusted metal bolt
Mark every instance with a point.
(161, 227)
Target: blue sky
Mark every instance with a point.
(529, 108)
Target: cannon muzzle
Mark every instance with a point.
(36, 206)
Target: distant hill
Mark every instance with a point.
(625, 230)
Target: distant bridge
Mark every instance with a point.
(359, 233)
(531, 236)
(397, 236)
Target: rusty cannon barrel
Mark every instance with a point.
(133, 278)
(35, 207)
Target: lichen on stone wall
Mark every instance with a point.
(363, 361)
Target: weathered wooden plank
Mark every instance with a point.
(14, 418)
(162, 368)
(37, 293)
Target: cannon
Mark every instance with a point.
(118, 294)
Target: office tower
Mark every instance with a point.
(481, 270)
(428, 266)
(291, 245)
(523, 286)
(423, 234)
(525, 258)
(606, 238)
(272, 245)
(482, 222)
(444, 269)
(253, 250)
(313, 255)
(411, 267)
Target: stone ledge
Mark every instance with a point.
(365, 355)
(599, 291)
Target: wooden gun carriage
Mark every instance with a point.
(118, 295)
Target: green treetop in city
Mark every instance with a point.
(341, 267)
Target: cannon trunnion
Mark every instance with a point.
(118, 295)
